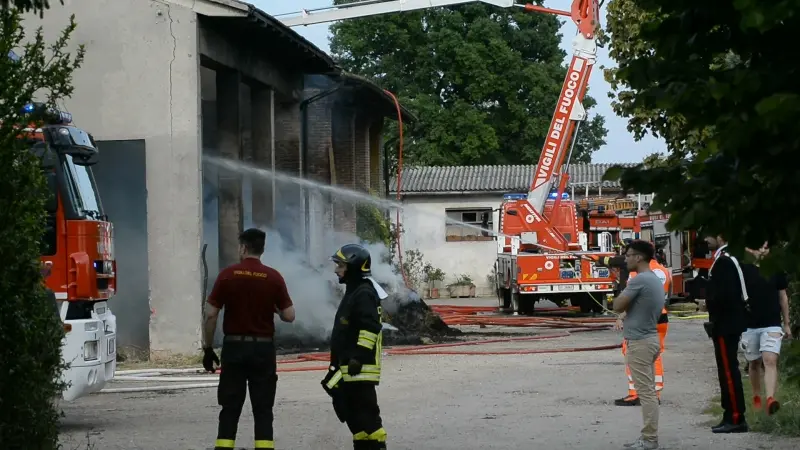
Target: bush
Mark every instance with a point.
(30, 334)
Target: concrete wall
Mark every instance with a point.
(424, 226)
(140, 81)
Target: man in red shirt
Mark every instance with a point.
(251, 294)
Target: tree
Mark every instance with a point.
(717, 81)
(36, 6)
(30, 334)
(484, 81)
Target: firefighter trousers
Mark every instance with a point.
(246, 365)
(363, 416)
(658, 368)
(726, 351)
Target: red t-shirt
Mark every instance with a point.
(251, 294)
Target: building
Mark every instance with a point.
(164, 84)
(471, 195)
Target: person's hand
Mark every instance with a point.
(353, 367)
(787, 331)
(209, 358)
(618, 325)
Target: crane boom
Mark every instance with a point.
(371, 8)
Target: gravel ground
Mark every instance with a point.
(447, 402)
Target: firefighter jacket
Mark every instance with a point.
(357, 333)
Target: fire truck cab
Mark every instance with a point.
(77, 250)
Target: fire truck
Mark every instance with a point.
(540, 253)
(77, 250)
(684, 252)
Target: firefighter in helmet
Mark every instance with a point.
(356, 339)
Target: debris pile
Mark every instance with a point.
(413, 321)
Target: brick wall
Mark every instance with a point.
(344, 146)
(375, 151)
(289, 217)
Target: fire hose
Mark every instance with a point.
(452, 315)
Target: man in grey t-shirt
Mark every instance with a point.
(642, 302)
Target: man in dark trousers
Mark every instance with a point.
(727, 311)
(251, 294)
(356, 348)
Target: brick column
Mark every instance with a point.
(263, 124)
(230, 184)
(376, 174)
(344, 155)
(288, 219)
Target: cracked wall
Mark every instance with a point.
(140, 81)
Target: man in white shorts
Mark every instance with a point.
(767, 325)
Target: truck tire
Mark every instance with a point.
(523, 304)
(504, 299)
(587, 303)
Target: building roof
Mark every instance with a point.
(237, 18)
(492, 179)
(367, 91)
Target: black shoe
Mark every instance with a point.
(740, 427)
(628, 401)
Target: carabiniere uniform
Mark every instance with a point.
(356, 346)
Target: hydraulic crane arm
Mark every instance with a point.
(371, 8)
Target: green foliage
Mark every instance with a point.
(484, 81)
(36, 6)
(30, 334)
(717, 81)
(372, 225)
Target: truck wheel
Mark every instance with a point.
(504, 298)
(523, 304)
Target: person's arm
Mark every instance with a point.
(783, 297)
(283, 303)
(212, 307)
(624, 299)
(366, 318)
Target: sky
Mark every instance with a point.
(620, 145)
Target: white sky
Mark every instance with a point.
(620, 146)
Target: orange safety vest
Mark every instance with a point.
(662, 273)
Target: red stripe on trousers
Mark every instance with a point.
(731, 391)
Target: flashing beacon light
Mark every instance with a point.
(55, 116)
(554, 195)
(515, 196)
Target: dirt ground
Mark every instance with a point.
(447, 402)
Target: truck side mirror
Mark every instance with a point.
(51, 204)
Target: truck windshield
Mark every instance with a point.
(82, 189)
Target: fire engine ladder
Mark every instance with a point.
(371, 8)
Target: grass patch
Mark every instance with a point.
(785, 422)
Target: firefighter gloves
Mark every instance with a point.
(353, 367)
(209, 359)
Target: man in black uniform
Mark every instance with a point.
(251, 294)
(727, 312)
(355, 369)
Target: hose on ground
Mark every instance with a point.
(155, 374)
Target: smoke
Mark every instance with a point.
(308, 273)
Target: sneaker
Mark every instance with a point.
(641, 444)
(772, 406)
(628, 401)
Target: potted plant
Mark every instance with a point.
(462, 287)
(433, 275)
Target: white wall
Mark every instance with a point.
(423, 222)
(140, 81)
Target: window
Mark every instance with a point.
(82, 189)
(474, 224)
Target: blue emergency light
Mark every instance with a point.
(515, 196)
(58, 117)
(554, 195)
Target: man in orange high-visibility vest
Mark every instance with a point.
(632, 399)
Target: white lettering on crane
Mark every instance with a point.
(555, 136)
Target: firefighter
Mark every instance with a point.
(632, 399)
(251, 294)
(356, 339)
